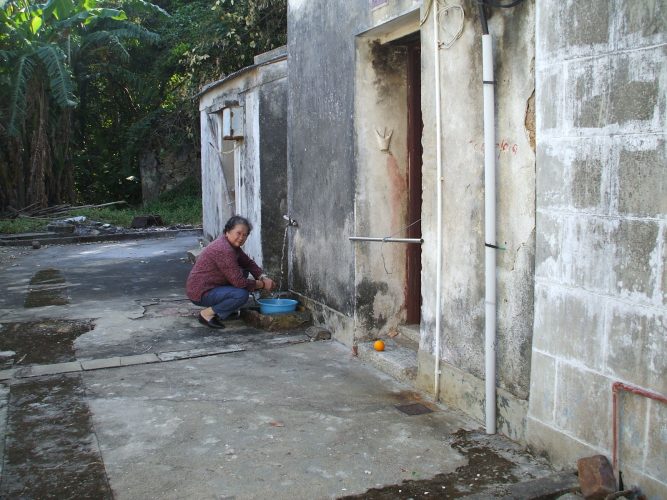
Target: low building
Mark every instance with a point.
(537, 323)
(243, 151)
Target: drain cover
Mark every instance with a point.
(414, 409)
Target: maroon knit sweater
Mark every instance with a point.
(220, 264)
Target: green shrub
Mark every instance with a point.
(13, 226)
(181, 205)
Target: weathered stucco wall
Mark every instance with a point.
(462, 345)
(600, 313)
(381, 190)
(254, 180)
(216, 200)
(273, 175)
(335, 189)
(322, 168)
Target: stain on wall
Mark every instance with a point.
(367, 294)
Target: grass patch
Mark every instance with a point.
(182, 205)
(14, 226)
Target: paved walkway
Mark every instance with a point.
(117, 392)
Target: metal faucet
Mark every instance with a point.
(290, 221)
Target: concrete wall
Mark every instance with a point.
(321, 159)
(600, 315)
(340, 183)
(257, 188)
(273, 175)
(462, 345)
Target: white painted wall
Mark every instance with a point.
(248, 199)
(232, 168)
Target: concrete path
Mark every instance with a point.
(117, 392)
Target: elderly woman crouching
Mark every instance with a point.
(219, 279)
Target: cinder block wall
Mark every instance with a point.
(600, 316)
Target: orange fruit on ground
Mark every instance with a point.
(378, 345)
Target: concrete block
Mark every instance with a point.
(636, 346)
(547, 20)
(569, 324)
(587, 92)
(635, 268)
(551, 170)
(7, 374)
(139, 359)
(632, 421)
(275, 322)
(197, 353)
(586, 186)
(550, 98)
(54, 369)
(584, 257)
(583, 404)
(560, 447)
(586, 24)
(596, 477)
(656, 444)
(289, 339)
(640, 24)
(573, 174)
(641, 178)
(542, 387)
(570, 29)
(635, 95)
(340, 325)
(548, 246)
(654, 488)
(318, 333)
(98, 364)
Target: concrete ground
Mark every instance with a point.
(114, 390)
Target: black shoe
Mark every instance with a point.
(214, 322)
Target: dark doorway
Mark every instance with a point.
(415, 127)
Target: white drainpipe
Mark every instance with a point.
(439, 182)
(489, 231)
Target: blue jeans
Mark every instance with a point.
(224, 300)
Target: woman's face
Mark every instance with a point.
(237, 235)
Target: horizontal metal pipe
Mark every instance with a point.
(387, 240)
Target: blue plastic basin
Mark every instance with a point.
(276, 306)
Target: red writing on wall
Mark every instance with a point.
(503, 146)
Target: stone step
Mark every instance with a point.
(408, 336)
(396, 360)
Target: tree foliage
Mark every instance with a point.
(41, 49)
(95, 86)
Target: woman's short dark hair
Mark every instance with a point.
(234, 221)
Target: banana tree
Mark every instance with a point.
(38, 42)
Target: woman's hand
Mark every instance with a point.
(269, 284)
